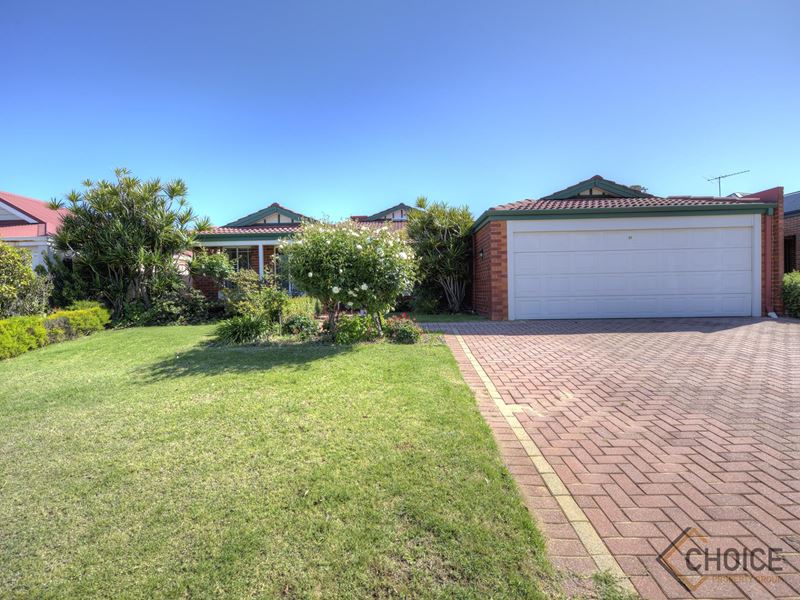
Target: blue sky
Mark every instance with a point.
(338, 108)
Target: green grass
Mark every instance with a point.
(142, 463)
(443, 317)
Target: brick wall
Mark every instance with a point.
(490, 271)
(772, 257)
(791, 227)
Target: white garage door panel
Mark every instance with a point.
(634, 268)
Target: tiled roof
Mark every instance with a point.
(37, 210)
(250, 229)
(589, 203)
(791, 202)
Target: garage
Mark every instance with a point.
(636, 267)
(601, 250)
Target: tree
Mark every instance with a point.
(16, 276)
(441, 237)
(127, 233)
(348, 264)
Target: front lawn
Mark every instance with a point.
(142, 463)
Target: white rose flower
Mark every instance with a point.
(335, 290)
(310, 274)
(341, 270)
(364, 286)
(359, 247)
(403, 255)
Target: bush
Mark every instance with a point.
(34, 298)
(351, 329)
(20, 334)
(442, 238)
(402, 330)
(173, 302)
(243, 329)
(251, 295)
(84, 304)
(75, 323)
(302, 306)
(71, 283)
(301, 325)
(348, 264)
(791, 293)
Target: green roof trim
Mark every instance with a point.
(614, 189)
(265, 212)
(643, 211)
(380, 215)
(256, 237)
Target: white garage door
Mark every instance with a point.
(639, 267)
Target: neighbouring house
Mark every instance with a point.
(251, 241)
(791, 232)
(599, 249)
(29, 223)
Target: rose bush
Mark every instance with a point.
(352, 266)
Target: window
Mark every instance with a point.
(790, 254)
(240, 257)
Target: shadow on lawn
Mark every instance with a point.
(211, 359)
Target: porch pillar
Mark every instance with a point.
(261, 260)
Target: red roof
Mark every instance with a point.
(36, 210)
(246, 229)
(589, 203)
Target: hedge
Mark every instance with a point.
(791, 293)
(21, 334)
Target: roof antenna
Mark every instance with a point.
(719, 179)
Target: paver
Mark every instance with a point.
(652, 426)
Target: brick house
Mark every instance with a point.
(251, 241)
(599, 249)
(791, 232)
(29, 223)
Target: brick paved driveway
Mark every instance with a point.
(654, 426)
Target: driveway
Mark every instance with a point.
(622, 434)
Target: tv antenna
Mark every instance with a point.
(719, 179)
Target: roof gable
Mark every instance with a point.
(791, 203)
(31, 211)
(597, 186)
(260, 216)
(384, 213)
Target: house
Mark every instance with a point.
(599, 249)
(29, 223)
(791, 232)
(251, 241)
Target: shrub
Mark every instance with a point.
(348, 264)
(216, 266)
(402, 330)
(301, 325)
(252, 295)
(15, 275)
(79, 322)
(20, 334)
(84, 304)
(441, 236)
(791, 293)
(243, 329)
(127, 233)
(173, 302)
(302, 305)
(354, 328)
(71, 283)
(33, 298)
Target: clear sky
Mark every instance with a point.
(345, 107)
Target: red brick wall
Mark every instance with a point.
(772, 257)
(490, 271)
(791, 227)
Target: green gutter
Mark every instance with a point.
(638, 211)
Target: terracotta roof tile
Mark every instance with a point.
(589, 203)
(248, 229)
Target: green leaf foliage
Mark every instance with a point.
(791, 293)
(442, 239)
(126, 233)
